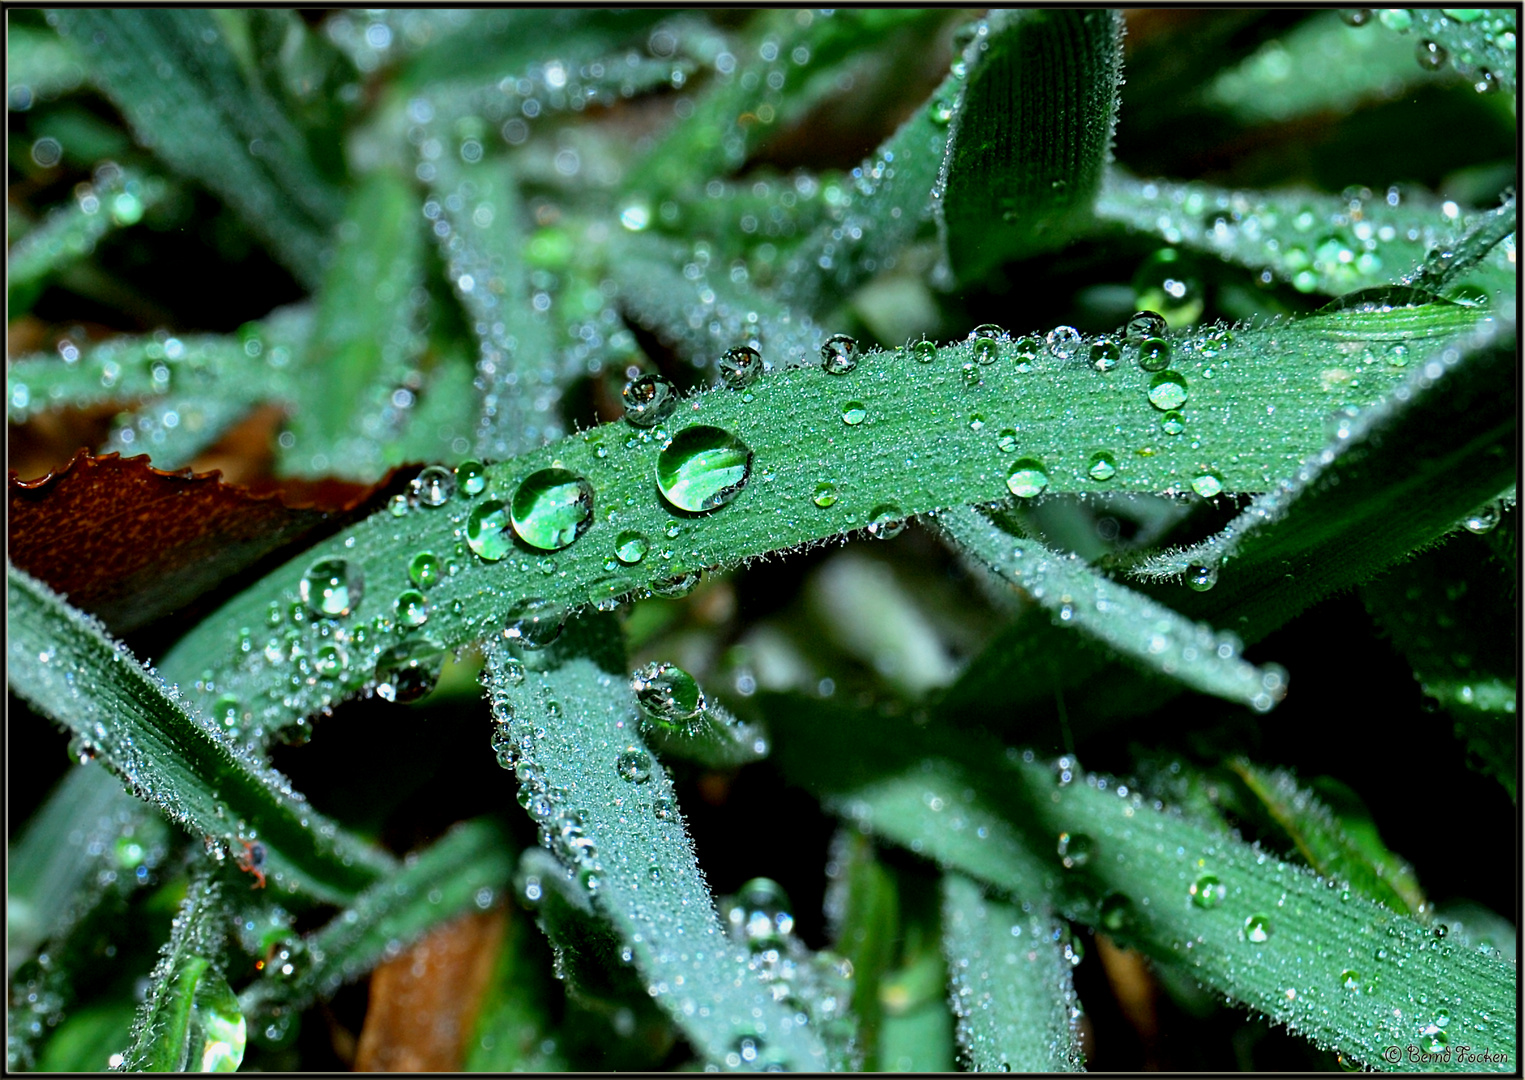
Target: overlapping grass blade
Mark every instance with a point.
(1477, 42)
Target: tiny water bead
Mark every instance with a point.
(1350, 979)
(740, 367)
(534, 622)
(1431, 56)
(332, 587)
(1355, 16)
(1144, 325)
(1063, 342)
(406, 673)
(702, 469)
(424, 571)
(471, 478)
(649, 400)
(1105, 354)
(487, 531)
(397, 506)
(854, 413)
(630, 547)
(668, 696)
(663, 809)
(1116, 912)
(1075, 849)
(940, 112)
(1154, 354)
(552, 508)
(1006, 441)
(1103, 466)
(1201, 578)
(227, 711)
(411, 607)
(1257, 929)
(839, 355)
(924, 352)
(1207, 891)
(633, 765)
(1027, 478)
(825, 496)
(433, 486)
(1207, 485)
(1167, 391)
(1172, 423)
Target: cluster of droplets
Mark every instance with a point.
(1486, 31)
(112, 198)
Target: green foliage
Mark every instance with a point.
(462, 242)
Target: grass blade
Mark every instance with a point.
(1478, 42)
(65, 666)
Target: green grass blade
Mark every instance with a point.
(1030, 135)
(65, 666)
(1011, 986)
(174, 430)
(623, 841)
(42, 62)
(1449, 263)
(1147, 632)
(863, 910)
(190, 1021)
(1478, 42)
(515, 1017)
(185, 97)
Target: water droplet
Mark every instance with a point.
(1063, 342)
(740, 367)
(649, 400)
(1104, 355)
(407, 672)
(1201, 578)
(552, 508)
(1167, 281)
(227, 711)
(397, 506)
(1396, 19)
(433, 486)
(675, 588)
(1027, 478)
(986, 340)
(534, 623)
(1207, 891)
(1075, 849)
(1116, 912)
(1431, 56)
(839, 355)
(633, 765)
(1154, 354)
(1350, 979)
(471, 478)
(1172, 423)
(487, 531)
(702, 469)
(1257, 929)
(825, 496)
(1144, 325)
(1432, 1039)
(886, 522)
(663, 809)
(924, 352)
(976, 422)
(668, 696)
(424, 570)
(1355, 16)
(332, 587)
(412, 609)
(1025, 353)
(854, 413)
(1006, 441)
(216, 1031)
(1103, 466)
(1167, 391)
(758, 915)
(940, 112)
(1482, 521)
(504, 746)
(630, 547)
(1207, 485)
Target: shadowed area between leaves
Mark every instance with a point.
(130, 543)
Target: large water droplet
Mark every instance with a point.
(552, 508)
(1207, 891)
(487, 531)
(1104, 355)
(1167, 391)
(839, 355)
(740, 367)
(668, 696)
(1207, 485)
(407, 672)
(1201, 578)
(854, 413)
(675, 588)
(411, 607)
(886, 522)
(633, 765)
(1172, 423)
(1167, 281)
(216, 1032)
(986, 342)
(1075, 849)
(1006, 441)
(1257, 929)
(1350, 979)
(433, 486)
(332, 587)
(630, 547)
(663, 809)
(534, 622)
(1144, 325)
(649, 400)
(1154, 354)
(1431, 56)
(825, 495)
(702, 469)
(424, 570)
(924, 352)
(1103, 466)
(1027, 478)
(471, 478)
(1063, 342)
(758, 915)
(1483, 521)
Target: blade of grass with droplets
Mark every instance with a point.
(467, 869)
(609, 813)
(190, 1021)
(1029, 137)
(1319, 243)
(1485, 234)
(63, 664)
(1147, 632)
(39, 66)
(1356, 506)
(365, 338)
(178, 84)
(1010, 984)
(863, 913)
(930, 435)
(1477, 42)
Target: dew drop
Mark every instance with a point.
(1355, 16)
(1154, 354)
(675, 588)
(839, 355)
(740, 367)
(630, 547)
(668, 696)
(424, 570)
(924, 352)
(1103, 466)
(1482, 521)
(649, 400)
(1025, 352)
(1207, 485)
(487, 531)
(1116, 912)
(1027, 478)
(227, 711)
(471, 478)
(411, 607)
(854, 413)
(534, 622)
(1207, 891)
(663, 809)
(1172, 423)
(1063, 342)
(1257, 929)
(1144, 325)
(1167, 391)
(702, 469)
(1167, 281)
(986, 341)
(758, 915)
(1006, 441)
(407, 672)
(552, 508)
(1075, 849)
(633, 765)
(1431, 56)
(825, 496)
(940, 112)
(886, 522)
(397, 506)
(332, 587)
(1350, 979)
(433, 486)
(1104, 355)
(1201, 578)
